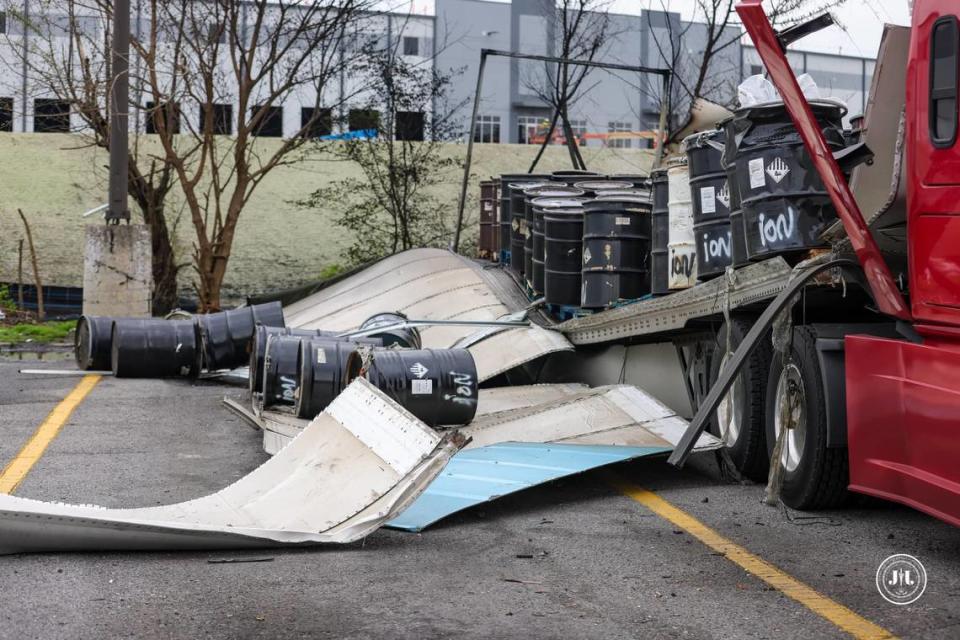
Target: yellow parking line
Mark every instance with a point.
(14, 473)
(839, 615)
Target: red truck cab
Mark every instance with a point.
(902, 395)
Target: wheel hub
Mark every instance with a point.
(730, 409)
(790, 402)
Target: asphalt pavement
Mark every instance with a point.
(573, 559)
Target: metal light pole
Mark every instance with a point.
(119, 92)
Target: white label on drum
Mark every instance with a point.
(421, 387)
(586, 256)
(321, 356)
(755, 168)
(708, 200)
(623, 222)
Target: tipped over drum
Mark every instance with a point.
(324, 366)
(390, 334)
(152, 348)
(91, 342)
(225, 336)
(438, 386)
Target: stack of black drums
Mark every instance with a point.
(711, 202)
(660, 223)
(518, 220)
(616, 250)
(505, 217)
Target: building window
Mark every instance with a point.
(316, 122)
(944, 47)
(411, 46)
(222, 119)
(409, 125)
(6, 114)
(167, 113)
(270, 125)
(527, 127)
(619, 142)
(487, 129)
(363, 119)
(51, 115)
(3, 21)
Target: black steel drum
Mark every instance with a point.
(540, 207)
(660, 220)
(785, 205)
(563, 254)
(503, 219)
(616, 250)
(534, 193)
(518, 222)
(711, 202)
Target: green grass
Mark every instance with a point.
(53, 331)
(54, 178)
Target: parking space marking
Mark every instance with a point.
(18, 468)
(845, 619)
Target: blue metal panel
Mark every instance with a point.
(479, 475)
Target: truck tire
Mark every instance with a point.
(815, 477)
(739, 420)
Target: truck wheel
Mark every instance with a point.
(815, 477)
(738, 420)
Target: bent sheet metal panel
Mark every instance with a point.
(280, 428)
(518, 448)
(425, 284)
(483, 474)
(354, 467)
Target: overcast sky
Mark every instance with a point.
(862, 20)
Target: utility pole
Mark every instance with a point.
(119, 91)
(117, 262)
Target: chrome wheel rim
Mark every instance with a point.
(791, 410)
(730, 409)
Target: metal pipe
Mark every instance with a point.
(120, 103)
(437, 323)
(466, 170)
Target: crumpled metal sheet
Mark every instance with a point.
(506, 350)
(357, 465)
(424, 284)
(524, 446)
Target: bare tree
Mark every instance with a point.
(66, 54)
(211, 78)
(581, 30)
(255, 55)
(711, 70)
(399, 151)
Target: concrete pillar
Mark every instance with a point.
(117, 270)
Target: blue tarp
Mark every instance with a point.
(479, 475)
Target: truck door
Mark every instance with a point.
(934, 163)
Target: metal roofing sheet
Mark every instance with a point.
(487, 473)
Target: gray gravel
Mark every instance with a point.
(601, 566)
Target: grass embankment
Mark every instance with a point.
(43, 332)
(54, 179)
